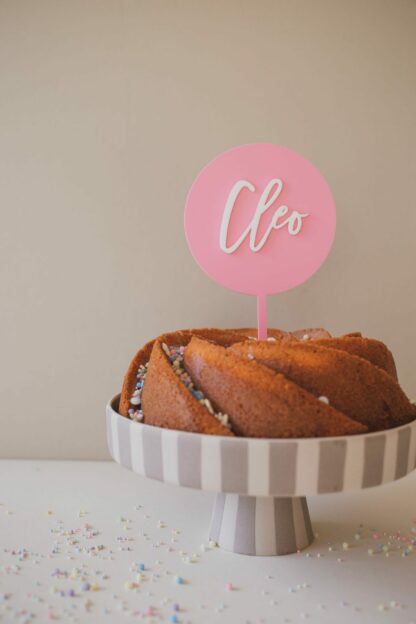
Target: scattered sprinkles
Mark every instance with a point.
(78, 568)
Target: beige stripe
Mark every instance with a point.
(412, 450)
(136, 445)
(152, 452)
(211, 464)
(123, 427)
(265, 527)
(402, 452)
(114, 436)
(390, 455)
(307, 468)
(189, 460)
(373, 460)
(283, 468)
(301, 533)
(170, 456)
(245, 539)
(331, 465)
(354, 463)
(285, 528)
(307, 520)
(258, 468)
(108, 418)
(234, 462)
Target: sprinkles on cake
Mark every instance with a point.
(135, 412)
(175, 355)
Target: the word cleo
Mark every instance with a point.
(293, 220)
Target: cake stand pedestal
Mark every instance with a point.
(261, 484)
(261, 525)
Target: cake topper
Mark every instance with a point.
(260, 219)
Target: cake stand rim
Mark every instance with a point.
(261, 467)
(242, 439)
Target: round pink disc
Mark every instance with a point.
(260, 219)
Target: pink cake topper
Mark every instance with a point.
(260, 219)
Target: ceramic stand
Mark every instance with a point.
(261, 484)
(261, 525)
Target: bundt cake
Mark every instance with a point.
(297, 384)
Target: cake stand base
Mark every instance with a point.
(257, 525)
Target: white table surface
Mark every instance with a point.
(95, 522)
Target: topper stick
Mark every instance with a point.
(262, 317)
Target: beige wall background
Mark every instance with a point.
(109, 108)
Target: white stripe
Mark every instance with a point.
(307, 467)
(301, 534)
(114, 436)
(354, 463)
(265, 526)
(211, 464)
(170, 456)
(412, 448)
(229, 522)
(259, 468)
(136, 448)
(390, 457)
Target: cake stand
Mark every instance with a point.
(261, 484)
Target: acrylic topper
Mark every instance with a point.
(260, 219)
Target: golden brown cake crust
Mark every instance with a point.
(259, 402)
(168, 403)
(352, 384)
(179, 337)
(372, 350)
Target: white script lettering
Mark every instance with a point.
(267, 199)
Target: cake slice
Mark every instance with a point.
(261, 403)
(167, 401)
(351, 384)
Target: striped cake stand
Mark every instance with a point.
(261, 484)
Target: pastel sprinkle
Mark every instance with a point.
(229, 587)
(175, 356)
(178, 580)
